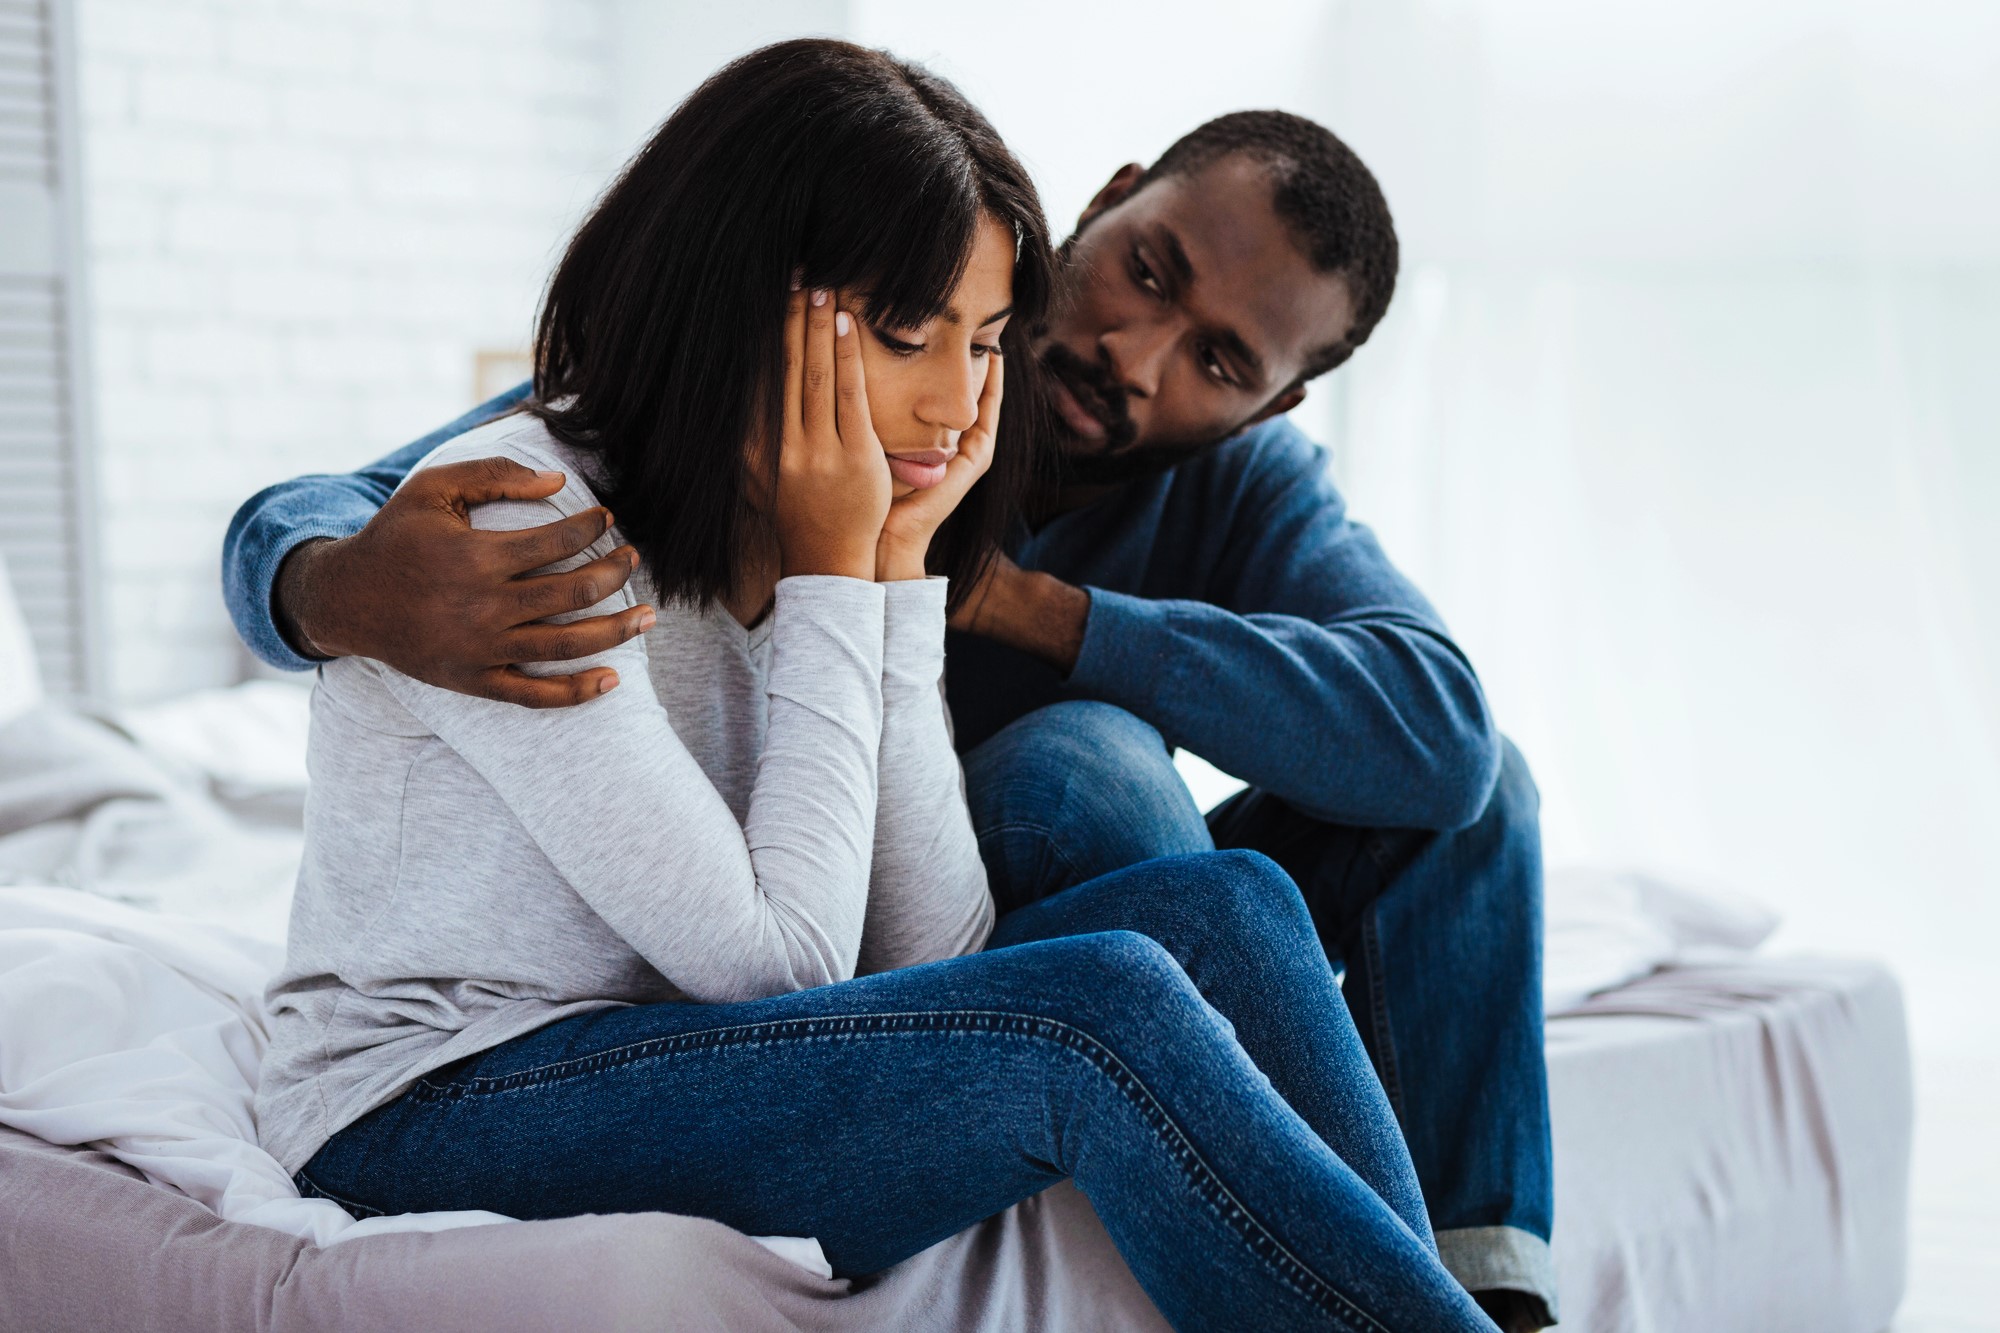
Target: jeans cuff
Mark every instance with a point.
(1488, 1258)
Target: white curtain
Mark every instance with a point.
(1723, 548)
(1686, 416)
(1685, 413)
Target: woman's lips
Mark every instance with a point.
(922, 471)
(1075, 413)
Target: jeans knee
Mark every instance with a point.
(1135, 972)
(1093, 770)
(1245, 891)
(1086, 735)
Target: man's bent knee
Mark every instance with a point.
(1093, 780)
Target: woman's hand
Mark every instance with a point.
(914, 519)
(833, 481)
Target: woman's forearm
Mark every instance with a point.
(927, 894)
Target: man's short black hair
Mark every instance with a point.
(1324, 191)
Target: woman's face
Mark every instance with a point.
(924, 383)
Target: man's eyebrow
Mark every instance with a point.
(1177, 259)
(1232, 342)
(1229, 339)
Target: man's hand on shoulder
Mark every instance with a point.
(423, 590)
(1036, 613)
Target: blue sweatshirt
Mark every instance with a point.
(1233, 605)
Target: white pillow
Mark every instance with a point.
(20, 676)
(1605, 927)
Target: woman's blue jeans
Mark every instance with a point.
(1169, 1035)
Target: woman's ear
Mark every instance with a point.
(1113, 192)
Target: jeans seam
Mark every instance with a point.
(1048, 837)
(312, 1189)
(1378, 1014)
(1209, 1186)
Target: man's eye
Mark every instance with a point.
(1213, 365)
(1145, 275)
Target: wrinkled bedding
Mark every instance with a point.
(1732, 1132)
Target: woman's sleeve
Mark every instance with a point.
(621, 809)
(927, 898)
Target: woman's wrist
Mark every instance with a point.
(853, 564)
(896, 562)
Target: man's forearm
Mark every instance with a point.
(268, 531)
(1035, 613)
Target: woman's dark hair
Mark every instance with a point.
(660, 346)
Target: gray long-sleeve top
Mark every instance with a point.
(751, 812)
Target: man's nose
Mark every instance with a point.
(1138, 354)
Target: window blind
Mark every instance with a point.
(44, 501)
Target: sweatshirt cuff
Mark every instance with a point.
(826, 647)
(913, 631)
(1127, 645)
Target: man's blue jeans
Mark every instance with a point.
(1439, 934)
(1167, 1035)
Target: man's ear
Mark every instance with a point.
(1283, 403)
(1123, 181)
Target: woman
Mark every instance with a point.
(709, 943)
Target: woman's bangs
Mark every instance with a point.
(910, 260)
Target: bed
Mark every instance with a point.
(1732, 1149)
(1732, 1130)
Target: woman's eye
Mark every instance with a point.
(897, 345)
(985, 349)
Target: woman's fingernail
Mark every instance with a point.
(798, 278)
(819, 296)
(841, 323)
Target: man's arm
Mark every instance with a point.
(1301, 661)
(333, 566)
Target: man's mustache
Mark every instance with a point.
(1096, 392)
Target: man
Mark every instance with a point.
(1194, 583)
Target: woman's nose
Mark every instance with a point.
(953, 404)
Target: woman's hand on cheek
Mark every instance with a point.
(913, 520)
(833, 481)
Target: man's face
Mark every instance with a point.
(1190, 311)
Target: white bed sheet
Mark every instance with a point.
(1732, 1150)
(1731, 1136)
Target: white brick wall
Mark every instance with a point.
(304, 217)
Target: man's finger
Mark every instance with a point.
(481, 481)
(510, 686)
(579, 638)
(529, 549)
(577, 589)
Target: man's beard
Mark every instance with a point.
(1115, 459)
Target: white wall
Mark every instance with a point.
(661, 49)
(303, 218)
